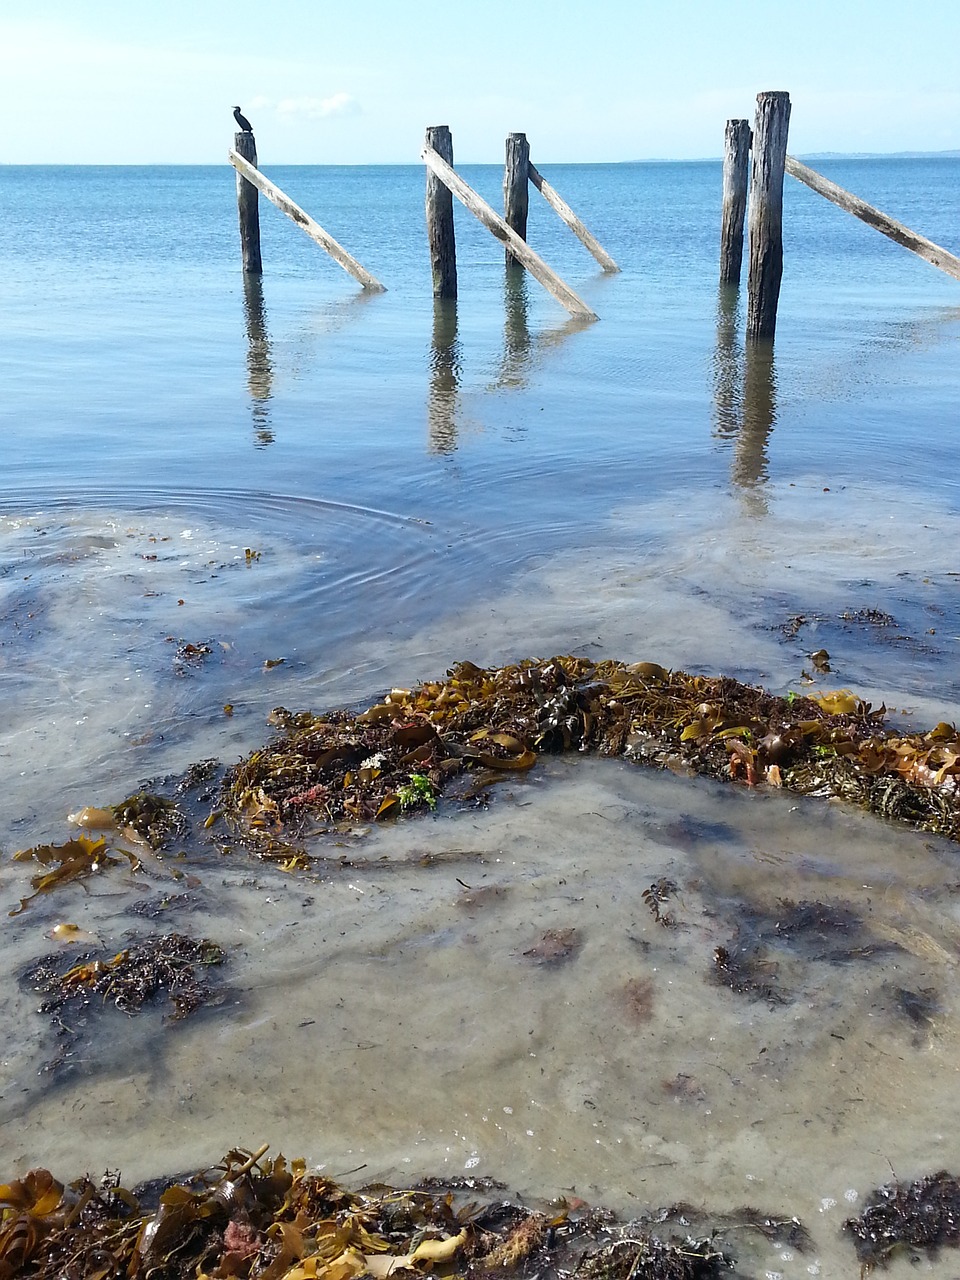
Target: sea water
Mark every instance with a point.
(485, 479)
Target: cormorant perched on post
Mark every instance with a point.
(242, 121)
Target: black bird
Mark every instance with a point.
(242, 121)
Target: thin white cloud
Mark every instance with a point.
(339, 104)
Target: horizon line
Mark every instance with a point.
(948, 153)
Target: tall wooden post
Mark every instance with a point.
(443, 247)
(736, 168)
(248, 206)
(516, 188)
(766, 213)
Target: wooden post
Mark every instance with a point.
(560, 206)
(516, 189)
(443, 245)
(248, 206)
(766, 213)
(495, 224)
(306, 223)
(736, 167)
(919, 245)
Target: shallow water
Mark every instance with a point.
(485, 481)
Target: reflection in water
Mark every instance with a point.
(259, 361)
(749, 469)
(727, 381)
(744, 400)
(329, 318)
(521, 349)
(444, 377)
(516, 328)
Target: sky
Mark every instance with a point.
(357, 82)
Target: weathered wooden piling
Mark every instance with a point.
(248, 206)
(736, 169)
(496, 225)
(766, 213)
(920, 245)
(443, 246)
(566, 214)
(306, 223)
(516, 188)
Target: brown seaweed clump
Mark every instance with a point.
(401, 753)
(924, 1214)
(456, 736)
(162, 963)
(260, 1219)
(170, 967)
(649, 1258)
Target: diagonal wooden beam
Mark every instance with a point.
(563, 210)
(306, 223)
(496, 225)
(920, 245)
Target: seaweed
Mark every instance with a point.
(154, 818)
(746, 970)
(77, 859)
(748, 962)
(189, 656)
(555, 946)
(403, 756)
(645, 1257)
(656, 895)
(918, 1007)
(920, 1215)
(262, 1219)
(399, 755)
(778, 1229)
(159, 966)
(134, 829)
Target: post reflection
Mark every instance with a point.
(444, 396)
(750, 461)
(259, 360)
(516, 328)
(744, 401)
(727, 362)
(523, 350)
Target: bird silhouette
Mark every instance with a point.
(242, 121)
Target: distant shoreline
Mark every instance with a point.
(471, 164)
(820, 155)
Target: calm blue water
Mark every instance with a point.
(496, 437)
(425, 483)
(130, 354)
(141, 372)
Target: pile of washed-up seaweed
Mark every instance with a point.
(476, 725)
(457, 736)
(257, 1218)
